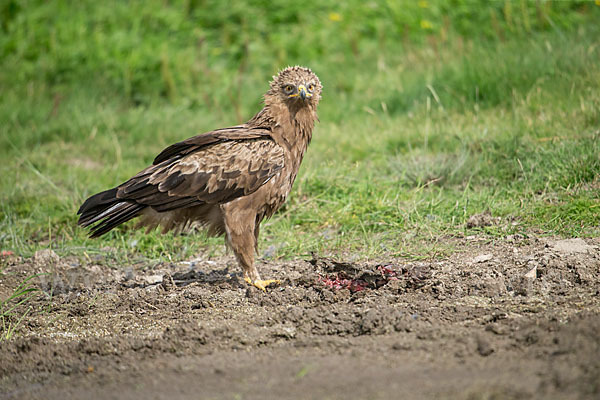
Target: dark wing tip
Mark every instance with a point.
(98, 200)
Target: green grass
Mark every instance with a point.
(431, 113)
(14, 308)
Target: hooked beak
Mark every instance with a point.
(302, 91)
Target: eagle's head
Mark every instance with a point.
(297, 87)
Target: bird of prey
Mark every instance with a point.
(228, 180)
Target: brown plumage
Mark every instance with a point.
(228, 180)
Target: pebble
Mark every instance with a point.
(483, 347)
(45, 257)
(572, 246)
(532, 273)
(483, 258)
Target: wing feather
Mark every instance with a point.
(218, 168)
(192, 144)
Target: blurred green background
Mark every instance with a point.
(432, 111)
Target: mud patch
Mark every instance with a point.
(516, 318)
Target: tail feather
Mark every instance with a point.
(99, 200)
(106, 212)
(90, 217)
(131, 210)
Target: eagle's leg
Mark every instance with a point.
(239, 226)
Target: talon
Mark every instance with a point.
(263, 284)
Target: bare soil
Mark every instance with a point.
(511, 318)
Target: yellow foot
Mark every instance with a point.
(263, 284)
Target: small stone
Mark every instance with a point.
(483, 347)
(129, 275)
(153, 279)
(532, 273)
(400, 346)
(482, 258)
(286, 332)
(497, 329)
(45, 257)
(572, 246)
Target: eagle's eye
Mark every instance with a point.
(311, 87)
(288, 89)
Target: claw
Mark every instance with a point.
(263, 284)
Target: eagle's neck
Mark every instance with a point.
(291, 127)
(293, 123)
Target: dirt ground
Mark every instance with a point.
(511, 318)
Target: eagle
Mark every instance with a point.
(227, 180)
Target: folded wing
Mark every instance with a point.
(212, 168)
(217, 173)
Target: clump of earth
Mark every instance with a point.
(511, 318)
